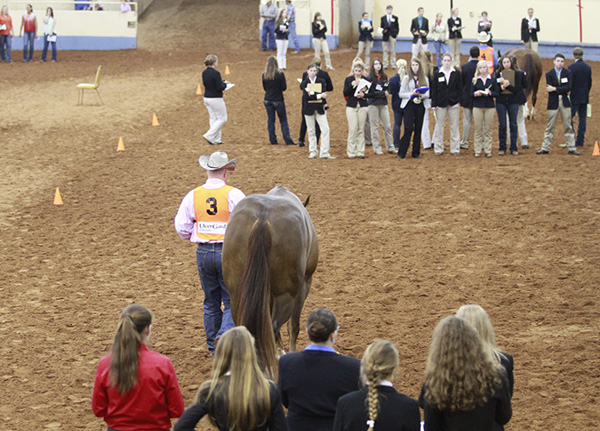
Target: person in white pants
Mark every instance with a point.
(427, 64)
(214, 86)
(281, 38)
(319, 28)
(445, 98)
(313, 97)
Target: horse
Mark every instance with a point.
(270, 253)
(530, 62)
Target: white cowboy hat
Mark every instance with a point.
(217, 160)
(483, 37)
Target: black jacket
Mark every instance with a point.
(521, 99)
(377, 94)
(454, 22)
(213, 83)
(484, 101)
(312, 104)
(282, 34)
(467, 72)
(349, 90)
(389, 29)
(318, 32)
(365, 33)
(275, 87)
(414, 26)
(581, 82)
(513, 97)
(397, 412)
(444, 94)
(526, 34)
(562, 88)
(324, 76)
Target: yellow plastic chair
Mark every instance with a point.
(94, 86)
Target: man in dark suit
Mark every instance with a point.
(389, 24)
(529, 28)
(467, 73)
(328, 87)
(314, 93)
(581, 85)
(558, 86)
(419, 28)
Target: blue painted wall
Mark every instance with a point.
(82, 43)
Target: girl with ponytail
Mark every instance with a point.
(136, 388)
(378, 406)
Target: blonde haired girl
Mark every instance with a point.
(483, 89)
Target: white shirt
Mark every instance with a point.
(186, 215)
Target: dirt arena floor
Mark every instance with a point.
(402, 243)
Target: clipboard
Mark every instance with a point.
(509, 75)
(315, 88)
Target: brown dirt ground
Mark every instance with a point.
(403, 244)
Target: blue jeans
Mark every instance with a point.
(216, 321)
(440, 49)
(45, 51)
(398, 116)
(293, 36)
(581, 111)
(512, 110)
(278, 108)
(5, 40)
(268, 31)
(28, 40)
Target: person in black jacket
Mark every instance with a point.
(313, 107)
(558, 86)
(214, 86)
(419, 28)
(312, 381)
(365, 38)
(274, 84)
(465, 389)
(507, 102)
(484, 89)
(445, 98)
(319, 28)
(324, 75)
(455, 35)
(468, 72)
(235, 368)
(485, 25)
(394, 90)
(282, 33)
(389, 24)
(378, 403)
(521, 100)
(530, 26)
(580, 92)
(356, 112)
(378, 109)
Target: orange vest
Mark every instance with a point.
(487, 55)
(211, 207)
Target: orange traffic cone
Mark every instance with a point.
(596, 150)
(155, 120)
(227, 71)
(57, 197)
(120, 147)
(199, 90)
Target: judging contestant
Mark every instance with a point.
(49, 30)
(214, 86)
(319, 28)
(467, 72)
(483, 89)
(282, 26)
(439, 35)
(445, 98)
(312, 381)
(356, 112)
(394, 90)
(313, 108)
(378, 108)
(238, 396)
(507, 103)
(455, 35)
(136, 389)
(365, 38)
(274, 85)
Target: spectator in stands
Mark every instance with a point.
(125, 7)
(507, 103)
(214, 86)
(49, 31)
(365, 38)
(136, 388)
(484, 89)
(319, 28)
(394, 90)
(313, 107)
(312, 381)
(580, 92)
(378, 403)
(465, 389)
(378, 108)
(356, 112)
(281, 35)
(268, 12)
(446, 92)
(274, 84)
(30, 25)
(413, 101)
(6, 35)
(468, 71)
(238, 396)
(485, 25)
(439, 35)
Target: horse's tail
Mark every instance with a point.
(255, 295)
(529, 68)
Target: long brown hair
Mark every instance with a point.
(125, 357)
(420, 74)
(427, 62)
(237, 383)
(383, 77)
(271, 68)
(460, 375)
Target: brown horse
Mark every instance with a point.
(530, 62)
(270, 253)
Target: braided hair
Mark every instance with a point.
(378, 364)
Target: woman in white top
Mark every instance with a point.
(49, 32)
(439, 34)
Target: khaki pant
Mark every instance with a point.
(467, 122)
(321, 45)
(453, 113)
(389, 50)
(425, 133)
(377, 114)
(417, 47)
(521, 129)
(531, 45)
(455, 52)
(356, 126)
(565, 114)
(483, 119)
(366, 47)
(217, 113)
(312, 136)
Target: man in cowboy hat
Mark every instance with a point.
(486, 52)
(202, 218)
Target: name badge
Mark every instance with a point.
(378, 87)
(441, 79)
(564, 80)
(498, 80)
(392, 20)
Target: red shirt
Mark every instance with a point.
(7, 21)
(148, 406)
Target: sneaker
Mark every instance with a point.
(477, 155)
(464, 146)
(563, 145)
(574, 153)
(301, 144)
(291, 143)
(328, 156)
(542, 151)
(525, 146)
(501, 153)
(378, 152)
(368, 144)
(514, 153)
(435, 153)
(312, 156)
(392, 151)
(455, 154)
(488, 155)
(418, 156)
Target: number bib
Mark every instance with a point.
(211, 207)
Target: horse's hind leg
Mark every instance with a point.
(294, 322)
(281, 312)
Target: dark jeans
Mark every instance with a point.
(28, 39)
(581, 111)
(413, 121)
(216, 321)
(302, 136)
(273, 109)
(45, 51)
(398, 116)
(5, 53)
(512, 110)
(268, 33)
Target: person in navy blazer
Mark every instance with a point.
(446, 93)
(389, 24)
(419, 28)
(581, 85)
(558, 86)
(467, 73)
(311, 382)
